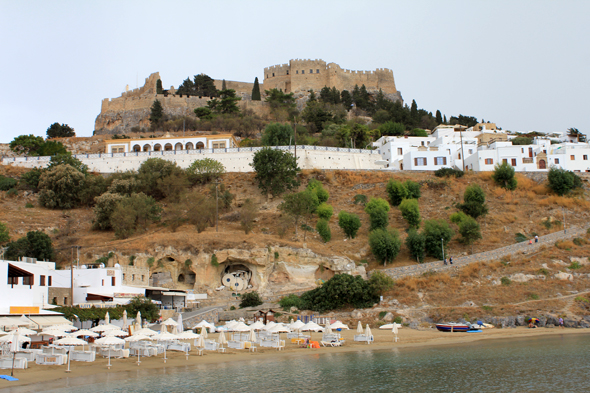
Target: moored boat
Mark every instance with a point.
(452, 327)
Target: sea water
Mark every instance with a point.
(557, 364)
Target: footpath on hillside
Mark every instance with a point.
(492, 255)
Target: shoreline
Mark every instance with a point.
(55, 377)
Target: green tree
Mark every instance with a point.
(256, 90)
(416, 243)
(205, 86)
(94, 185)
(390, 128)
(342, 290)
(4, 233)
(410, 212)
(51, 148)
(300, 205)
(413, 189)
(439, 118)
(418, 132)
(397, 192)
(323, 229)
(346, 99)
(562, 181)
(349, 222)
(7, 183)
(248, 213)
(57, 130)
(35, 244)
(414, 111)
(159, 89)
(470, 231)
(522, 140)
(204, 171)
(134, 213)
(277, 134)
(60, 187)
(325, 211)
(250, 299)
(103, 209)
(204, 113)
(26, 144)
(318, 189)
(437, 234)
(504, 176)
(32, 177)
(316, 115)
(377, 210)
(226, 104)
(385, 244)
(200, 211)
(474, 201)
(380, 282)
(156, 114)
(276, 171)
(67, 159)
(282, 105)
(154, 170)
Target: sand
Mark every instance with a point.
(92, 372)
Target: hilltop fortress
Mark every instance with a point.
(132, 108)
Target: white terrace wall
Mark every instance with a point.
(234, 160)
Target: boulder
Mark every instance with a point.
(584, 324)
(356, 314)
(519, 277)
(388, 317)
(564, 276)
(570, 323)
(581, 260)
(520, 320)
(542, 321)
(550, 325)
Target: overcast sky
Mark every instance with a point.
(521, 64)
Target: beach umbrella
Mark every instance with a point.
(110, 341)
(368, 333)
(359, 328)
(200, 341)
(2, 332)
(533, 320)
(24, 321)
(104, 328)
(204, 332)
(258, 325)
(269, 324)
(339, 325)
(64, 327)
(23, 331)
(179, 328)
(146, 332)
(11, 337)
(204, 324)
(252, 336)
(311, 327)
(84, 332)
(165, 336)
(394, 331)
(124, 319)
(170, 322)
(240, 327)
(390, 326)
(15, 344)
(8, 322)
(116, 332)
(138, 321)
(221, 339)
(107, 318)
(54, 333)
(328, 329)
(71, 342)
(137, 338)
(187, 335)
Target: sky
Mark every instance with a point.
(520, 64)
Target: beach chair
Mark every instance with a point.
(211, 345)
(363, 338)
(50, 360)
(236, 344)
(20, 363)
(83, 356)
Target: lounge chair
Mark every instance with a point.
(21, 363)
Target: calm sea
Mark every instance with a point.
(557, 364)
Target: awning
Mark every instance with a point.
(174, 294)
(46, 321)
(98, 296)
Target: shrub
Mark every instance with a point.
(248, 214)
(397, 192)
(250, 299)
(342, 290)
(4, 233)
(277, 255)
(385, 244)
(505, 281)
(29, 205)
(188, 263)
(32, 177)
(61, 187)
(469, 230)
(134, 213)
(543, 271)
(413, 189)
(360, 199)
(6, 183)
(150, 261)
(35, 244)
(436, 232)
(380, 283)
(324, 230)
(504, 176)
(562, 181)
(94, 186)
(289, 301)
(204, 171)
(12, 192)
(410, 212)
(448, 172)
(325, 211)
(519, 237)
(276, 171)
(214, 261)
(131, 260)
(349, 222)
(158, 177)
(377, 209)
(103, 209)
(578, 241)
(474, 201)
(318, 189)
(415, 242)
(575, 265)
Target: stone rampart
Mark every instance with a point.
(233, 159)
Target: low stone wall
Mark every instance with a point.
(211, 315)
(493, 255)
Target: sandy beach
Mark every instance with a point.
(83, 372)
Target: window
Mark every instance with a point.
(49, 281)
(297, 71)
(273, 74)
(399, 151)
(30, 280)
(585, 157)
(572, 157)
(123, 276)
(470, 151)
(103, 282)
(489, 161)
(112, 281)
(514, 162)
(142, 277)
(13, 280)
(303, 71)
(420, 161)
(267, 76)
(522, 149)
(459, 156)
(42, 281)
(317, 71)
(311, 71)
(504, 161)
(557, 160)
(54, 300)
(133, 277)
(287, 72)
(422, 143)
(219, 145)
(440, 160)
(65, 301)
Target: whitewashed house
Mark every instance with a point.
(168, 143)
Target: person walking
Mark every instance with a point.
(451, 260)
(561, 323)
(536, 239)
(445, 261)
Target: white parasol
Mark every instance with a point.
(170, 322)
(84, 332)
(104, 328)
(221, 339)
(54, 333)
(394, 331)
(138, 321)
(136, 338)
(109, 341)
(70, 342)
(146, 332)
(328, 329)
(240, 327)
(124, 319)
(258, 325)
(107, 318)
(10, 338)
(311, 327)
(165, 336)
(296, 325)
(200, 341)
(116, 332)
(359, 328)
(187, 335)
(179, 328)
(23, 331)
(368, 333)
(24, 321)
(252, 336)
(390, 326)
(204, 332)
(339, 325)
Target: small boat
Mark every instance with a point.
(453, 327)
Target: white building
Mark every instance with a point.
(167, 143)
(24, 288)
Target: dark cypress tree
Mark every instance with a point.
(445, 119)
(256, 90)
(157, 113)
(414, 111)
(223, 87)
(312, 97)
(439, 119)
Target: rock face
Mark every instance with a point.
(564, 276)
(270, 270)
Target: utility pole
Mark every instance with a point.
(72, 278)
(216, 206)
